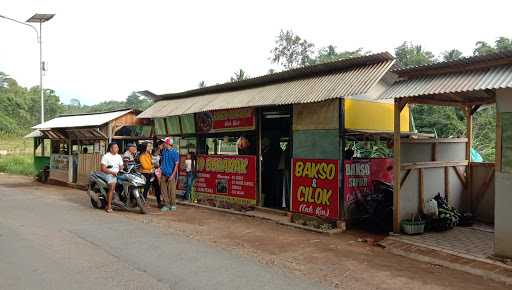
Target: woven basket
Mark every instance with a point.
(413, 226)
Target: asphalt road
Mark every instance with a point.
(51, 243)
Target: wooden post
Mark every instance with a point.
(421, 191)
(396, 167)
(469, 145)
(447, 183)
(498, 142)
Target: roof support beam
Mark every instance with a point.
(399, 106)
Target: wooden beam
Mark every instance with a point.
(474, 109)
(436, 140)
(434, 152)
(405, 177)
(447, 183)
(421, 189)
(433, 164)
(469, 146)
(396, 167)
(426, 100)
(460, 176)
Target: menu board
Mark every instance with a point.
(315, 187)
(59, 167)
(226, 120)
(231, 178)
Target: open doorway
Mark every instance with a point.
(276, 157)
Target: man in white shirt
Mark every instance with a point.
(111, 163)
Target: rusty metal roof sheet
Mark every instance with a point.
(319, 85)
(456, 82)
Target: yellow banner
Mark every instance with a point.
(373, 116)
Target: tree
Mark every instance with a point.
(3, 80)
(330, 53)
(202, 84)
(482, 47)
(409, 54)
(452, 54)
(136, 101)
(291, 51)
(239, 76)
(75, 103)
(503, 43)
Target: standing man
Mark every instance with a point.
(111, 163)
(169, 167)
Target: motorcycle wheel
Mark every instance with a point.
(101, 204)
(140, 204)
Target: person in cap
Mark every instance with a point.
(169, 169)
(129, 155)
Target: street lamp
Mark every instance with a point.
(37, 18)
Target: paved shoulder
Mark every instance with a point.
(49, 243)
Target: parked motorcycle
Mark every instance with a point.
(374, 211)
(127, 194)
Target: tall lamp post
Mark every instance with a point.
(37, 18)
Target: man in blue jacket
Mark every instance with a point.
(169, 166)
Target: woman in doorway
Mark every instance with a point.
(190, 168)
(146, 166)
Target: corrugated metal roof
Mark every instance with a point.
(464, 81)
(82, 120)
(34, 134)
(353, 81)
(288, 75)
(473, 62)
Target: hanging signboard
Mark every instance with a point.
(359, 175)
(59, 167)
(315, 187)
(226, 120)
(229, 178)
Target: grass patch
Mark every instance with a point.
(15, 145)
(18, 164)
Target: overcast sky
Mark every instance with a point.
(102, 50)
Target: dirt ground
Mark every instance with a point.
(341, 261)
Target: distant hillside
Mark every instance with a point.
(20, 107)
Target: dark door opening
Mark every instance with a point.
(276, 157)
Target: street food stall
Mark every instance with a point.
(277, 141)
(76, 142)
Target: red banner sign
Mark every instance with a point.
(231, 177)
(315, 187)
(359, 175)
(226, 120)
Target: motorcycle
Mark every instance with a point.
(126, 195)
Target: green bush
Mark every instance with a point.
(17, 164)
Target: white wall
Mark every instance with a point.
(503, 185)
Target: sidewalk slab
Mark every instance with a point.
(483, 267)
(276, 217)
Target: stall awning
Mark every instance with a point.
(81, 120)
(34, 134)
(471, 78)
(86, 134)
(308, 85)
